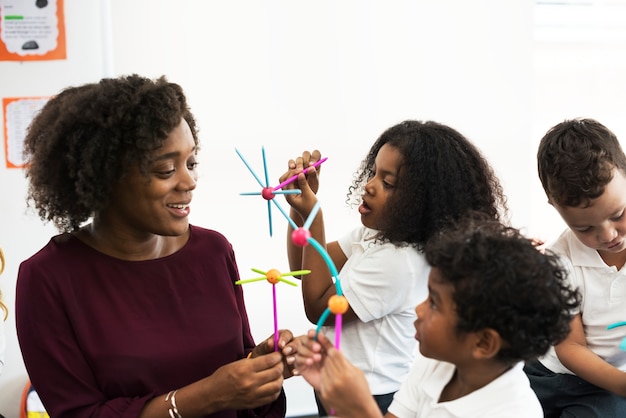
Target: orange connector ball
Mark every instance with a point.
(273, 276)
(338, 304)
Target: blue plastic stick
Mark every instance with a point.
(249, 168)
(267, 180)
(321, 321)
(291, 222)
(325, 256)
(311, 217)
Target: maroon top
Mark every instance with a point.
(101, 336)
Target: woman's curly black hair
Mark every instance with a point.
(87, 137)
(576, 159)
(503, 282)
(442, 177)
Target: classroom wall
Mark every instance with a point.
(293, 76)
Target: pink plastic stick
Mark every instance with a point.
(275, 319)
(338, 322)
(306, 170)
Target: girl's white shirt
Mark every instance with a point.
(383, 284)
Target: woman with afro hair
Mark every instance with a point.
(131, 311)
(417, 178)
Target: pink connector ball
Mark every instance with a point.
(300, 237)
(268, 193)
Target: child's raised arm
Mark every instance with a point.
(296, 166)
(318, 286)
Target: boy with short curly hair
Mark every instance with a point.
(494, 301)
(582, 168)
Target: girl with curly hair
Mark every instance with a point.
(131, 311)
(417, 178)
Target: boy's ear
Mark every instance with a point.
(488, 344)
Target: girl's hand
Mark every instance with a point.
(307, 183)
(305, 161)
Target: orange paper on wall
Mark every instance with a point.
(18, 113)
(32, 30)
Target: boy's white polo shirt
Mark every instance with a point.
(603, 290)
(508, 396)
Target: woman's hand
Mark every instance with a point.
(287, 345)
(245, 384)
(254, 381)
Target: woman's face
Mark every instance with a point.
(160, 202)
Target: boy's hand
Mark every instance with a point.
(343, 386)
(308, 360)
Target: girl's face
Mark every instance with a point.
(158, 204)
(435, 326)
(602, 224)
(381, 186)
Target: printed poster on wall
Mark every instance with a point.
(32, 30)
(18, 114)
